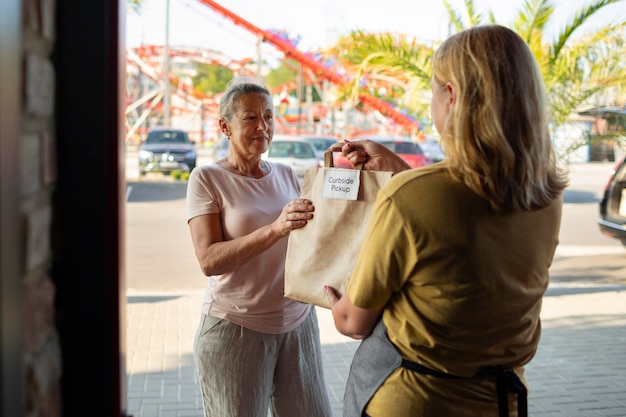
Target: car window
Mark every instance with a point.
(321, 144)
(404, 148)
(281, 150)
(303, 151)
(291, 150)
(167, 136)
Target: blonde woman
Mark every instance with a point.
(447, 291)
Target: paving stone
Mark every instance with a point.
(578, 371)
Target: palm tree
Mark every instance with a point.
(573, 69)
(391, 67)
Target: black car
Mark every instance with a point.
(612, 220)
(166, 150)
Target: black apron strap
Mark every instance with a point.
(506, 381)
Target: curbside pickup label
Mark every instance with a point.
(341, 184)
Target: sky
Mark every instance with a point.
(319, 23)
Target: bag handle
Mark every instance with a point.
(328, 157)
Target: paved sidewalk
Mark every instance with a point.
(579, 370)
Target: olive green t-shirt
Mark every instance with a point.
(461, 286)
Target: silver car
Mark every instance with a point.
(293, 151)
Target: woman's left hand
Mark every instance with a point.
(293, 216)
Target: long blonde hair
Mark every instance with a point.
(496, 136)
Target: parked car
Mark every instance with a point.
(221, 148)
(432, 149)
(612, 221)
(321, 144)
(166, 150)
(293, 151)
(405, 148)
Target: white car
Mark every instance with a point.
(321, 143)
(432, 149)
(293, 151)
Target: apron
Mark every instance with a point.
(376, 358)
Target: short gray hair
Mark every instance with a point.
(236, 88)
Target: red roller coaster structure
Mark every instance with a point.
(145, 85)
(314, 65)
(146, 80)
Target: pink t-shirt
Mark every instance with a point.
(252, 294)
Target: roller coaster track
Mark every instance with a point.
(318, 68)
(146, 60)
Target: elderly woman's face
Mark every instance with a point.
(252, 126)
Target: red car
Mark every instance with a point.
(408, 150)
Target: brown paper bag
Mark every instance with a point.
(326, 249)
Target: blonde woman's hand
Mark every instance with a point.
(373, 155)
(332, 295)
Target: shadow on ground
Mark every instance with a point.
(579, 197)
(612, 270)
(153, 191)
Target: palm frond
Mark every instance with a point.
(575, 74)
(394, 64)
(532, 19)
(473, 17)
(585, 69)
(455, 19)
(580, 17)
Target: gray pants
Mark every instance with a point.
(244, 373)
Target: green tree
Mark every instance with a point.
(285, 74)
(211, 79)
(393, 68)
(573, 68)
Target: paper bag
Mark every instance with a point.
(326, 249)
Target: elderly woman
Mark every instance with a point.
(447, 290)
(254, 348)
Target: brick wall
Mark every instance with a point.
(42, 353)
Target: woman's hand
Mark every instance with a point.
(332, 295)
(293, 216)
(350, 320)
(373, 155)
